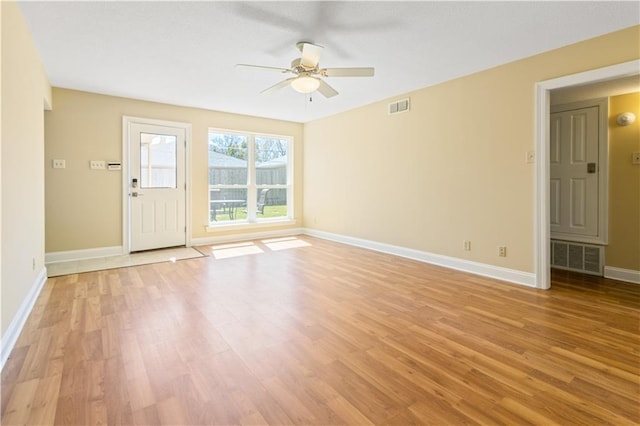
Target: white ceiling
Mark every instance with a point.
(184, 53)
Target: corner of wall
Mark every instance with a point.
(22, 130)
(48, 93)
(10, 336)
(623, 251)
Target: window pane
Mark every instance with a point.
(272, 202)
(271, 161)
(157, 161)
(227, 159)
(227, 204)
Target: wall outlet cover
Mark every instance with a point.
(531, 157)
(97, 165)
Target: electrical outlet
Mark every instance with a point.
(466, 244)
(58, 164)
(531, 157)
(502, 251)
(97, 165)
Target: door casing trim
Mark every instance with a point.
(127, 121)
(542, 137)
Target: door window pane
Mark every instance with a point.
(158, 160)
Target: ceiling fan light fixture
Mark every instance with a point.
(307, 74)
(305, 84)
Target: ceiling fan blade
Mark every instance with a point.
(279, 85)
(348, 72)
(264, 17)
(326, 90)
(283, 70)
(310, 54)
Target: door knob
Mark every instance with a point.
(591, 167)
(135, 194)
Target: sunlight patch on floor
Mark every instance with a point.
(225, 251)
(235, 250)
(285, 243)
(232, 245)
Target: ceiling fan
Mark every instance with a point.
(308, 74)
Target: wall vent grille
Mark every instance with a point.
(573, 256)
(399, 106)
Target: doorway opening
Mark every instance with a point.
(542, 170)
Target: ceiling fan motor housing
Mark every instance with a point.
(297, 67)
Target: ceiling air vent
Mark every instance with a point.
(399, 106)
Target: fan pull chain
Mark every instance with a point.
(307, 101)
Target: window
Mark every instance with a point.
(249, 177)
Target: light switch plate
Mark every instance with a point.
(58, 164)
(636, 158)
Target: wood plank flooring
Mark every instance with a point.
(306, 331)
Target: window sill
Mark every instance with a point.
(246, 225)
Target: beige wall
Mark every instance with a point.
(24, 92)
(451, 169)
(2, 321)
(623, 250)
(84, 206)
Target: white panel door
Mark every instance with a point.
(574, 168)
(157, 190)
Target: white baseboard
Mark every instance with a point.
(246, 236)
(518, 277)
(628, 275)
(10, 337)
(92, 253)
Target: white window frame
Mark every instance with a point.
(252, 187)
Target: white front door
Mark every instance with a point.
(157, 186)
(574, 174)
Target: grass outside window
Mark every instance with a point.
(241, 213)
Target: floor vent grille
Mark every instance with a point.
(579, 257)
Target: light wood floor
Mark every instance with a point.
(323, 333)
